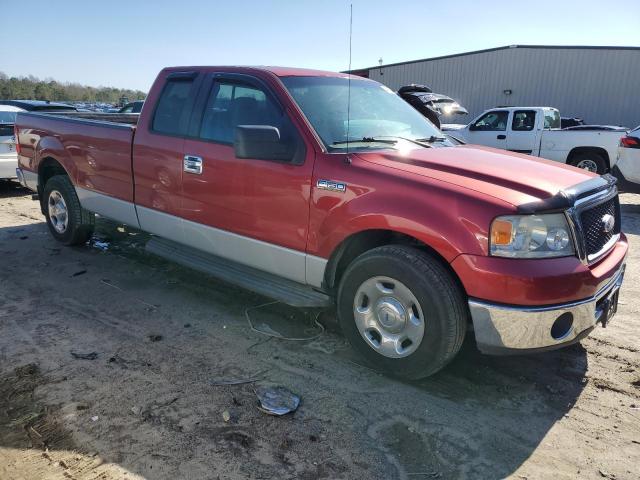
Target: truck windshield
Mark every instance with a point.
(378, 118)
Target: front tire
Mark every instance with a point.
(68, 222)
(402, 310)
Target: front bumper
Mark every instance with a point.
(501, 329)
(624, 185)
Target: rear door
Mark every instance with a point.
(158, 153)
(490, 129)
(248, 210)
(522, 135)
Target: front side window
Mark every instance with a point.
(374, 118)
(170, 115)
(232, 104)
(492, 122)
(523, 120)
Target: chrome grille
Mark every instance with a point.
(593, 231)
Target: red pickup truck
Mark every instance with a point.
(317, 188)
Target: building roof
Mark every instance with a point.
(507, 47)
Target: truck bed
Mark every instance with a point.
(94, 148)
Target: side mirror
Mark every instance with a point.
(261, 142)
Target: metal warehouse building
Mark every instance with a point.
(599, 84)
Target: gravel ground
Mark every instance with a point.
(150, 404)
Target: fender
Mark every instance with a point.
(51, 147)
(452, 225)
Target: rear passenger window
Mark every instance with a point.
(523, 120)
(171, 115)
(232, 104)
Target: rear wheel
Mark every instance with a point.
(592, 161)
(402, 310)
(68, 222)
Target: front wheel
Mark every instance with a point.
(68, 222)
(402, 310)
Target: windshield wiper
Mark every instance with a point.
(432, 139)
(366, 140)
(417, 141)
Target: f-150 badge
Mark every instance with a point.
(332, 186)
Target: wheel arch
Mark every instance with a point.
(360, 242)
(580, 150)
(47, 168)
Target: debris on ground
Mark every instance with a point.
(272, 316)
(84, 356)
(78, 273)
(277, 400)
(226, 416)
(155, 338)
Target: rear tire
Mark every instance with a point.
(591, 161)
(402, 310)
(68, 222)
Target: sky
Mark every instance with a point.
(125, 43)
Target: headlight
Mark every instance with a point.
(531, 236)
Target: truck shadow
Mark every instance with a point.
(481, 417)
(11, 188)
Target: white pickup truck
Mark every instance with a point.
(536, 131)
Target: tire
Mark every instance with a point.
(589, 160)
(60, 196)
(441, 309)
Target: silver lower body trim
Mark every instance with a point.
(285, 262)
(27, 179)
(504, 329)
(110, 207)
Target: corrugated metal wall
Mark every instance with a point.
(600, 85)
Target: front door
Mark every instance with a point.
(490, 129)
(251, 211)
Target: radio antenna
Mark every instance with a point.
(349, 78)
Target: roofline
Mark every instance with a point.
(494, 49)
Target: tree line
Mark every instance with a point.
(32, 88)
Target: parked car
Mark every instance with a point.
(431, 105)
(627, 168)
(39, 105)
(264, 178)
(536, 131)
(132, 107)
(8, 155)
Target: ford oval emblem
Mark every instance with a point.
(608, 222)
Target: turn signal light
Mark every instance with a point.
(501, 231)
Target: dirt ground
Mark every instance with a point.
(151, 403)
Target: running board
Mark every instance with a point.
(267, 284)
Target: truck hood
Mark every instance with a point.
(515, 178)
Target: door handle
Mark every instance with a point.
(501, 137)
(192, 164)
